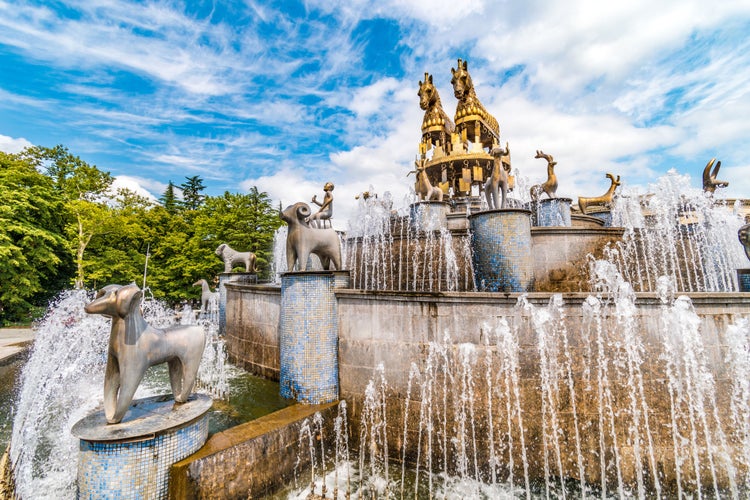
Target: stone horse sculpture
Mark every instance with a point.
(437, 126)
(709, 177)
(604, 200)
(498, 181)
(232, 258)
(134, 346)
(470, 113)
(302, 240)
(206, 295)
(424, 187)
(550, 185)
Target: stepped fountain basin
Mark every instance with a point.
(596, 393)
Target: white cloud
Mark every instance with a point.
(13, 145)
(135, 185)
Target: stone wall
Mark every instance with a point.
(252, 328)
(254, 459)
(541, 389)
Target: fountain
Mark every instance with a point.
(505, 345)
(530, 350)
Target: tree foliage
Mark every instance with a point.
(61, 225)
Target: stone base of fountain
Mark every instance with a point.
(224, 278)
(429, 215)
(743, 280)
(132, 459)
(553, 212)
(501, 247)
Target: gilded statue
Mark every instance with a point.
(550, 185)
(709, 178)
(473, 121)
(604, 200)
(498, 181)
(437, 126)
(744, 236)
(424, 187)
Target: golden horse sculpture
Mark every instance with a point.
(604, 200)
(709, 178)
(473, 122)
(437, 126)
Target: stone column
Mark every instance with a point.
(553, 212)
(246, 278)
(501, 250)
(132, 459)
(428, 215)
(308, 335)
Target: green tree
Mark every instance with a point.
(169, 199)
(32, 246)
(192, 189)
(83, 188)
(243, 221)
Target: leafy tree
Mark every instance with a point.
(243, 221)
(192, 188)
(32, 255)
(169, 199)
(82, 188)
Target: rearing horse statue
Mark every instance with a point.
(473, 122)
(437, 126)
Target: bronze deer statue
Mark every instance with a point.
(424, 187)
(498, 181)
(550, 185)
(603, 200)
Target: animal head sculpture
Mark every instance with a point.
(428, 94)
(461, 81)
(710, 183)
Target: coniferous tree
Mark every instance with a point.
(192, 189)
(169, 199)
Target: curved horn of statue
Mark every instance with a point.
(710, 183)
(302, 240)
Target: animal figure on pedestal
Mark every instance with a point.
(134, 346)
(206, 295)
(437, 126)
(710, 183)
(302, 240)
(498, 181)
(550, 185)
(233, 258)
(744, 235)
(424, 187)
(473, 122)
(604, 200)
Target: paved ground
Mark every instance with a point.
(14, 340)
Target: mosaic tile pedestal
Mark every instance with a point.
(602, 214)
(308, 335)
(553, 212)
(243, 278)
(132, 459)
(429, 215)
(501, 249)
(743, 280)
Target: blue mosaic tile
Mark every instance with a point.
(136, 469)
(743, 280)
(308, 336)
(501, 249)
(554, 212)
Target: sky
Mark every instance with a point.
(289, 95)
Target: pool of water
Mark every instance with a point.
(249, 397)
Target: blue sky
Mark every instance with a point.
(288, 95)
